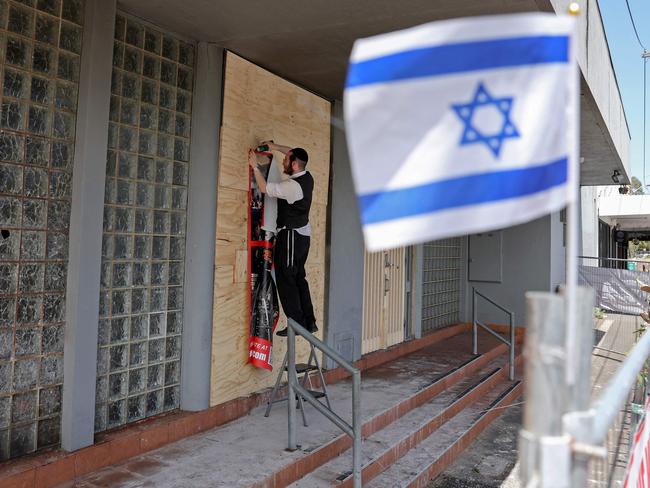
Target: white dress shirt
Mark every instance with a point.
(291, 191)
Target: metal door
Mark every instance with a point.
(383, 299)
(441, 283)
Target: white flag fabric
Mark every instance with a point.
(462, 126)
(271, 203)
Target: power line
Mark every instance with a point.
(634, 26)
(644, 56)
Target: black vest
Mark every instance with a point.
(296, 214)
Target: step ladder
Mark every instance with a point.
(301, 369)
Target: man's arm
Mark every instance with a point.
(277, 147)
(252, 162)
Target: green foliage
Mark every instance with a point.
(637, 186)
(636, 246)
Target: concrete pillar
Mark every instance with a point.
(465, 295)
(418, 259)
(345, 305)
(89, 173)
(201, 229)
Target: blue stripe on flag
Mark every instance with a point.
(461, 192)
(460, 57)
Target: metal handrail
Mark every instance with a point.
(591, 427)
(614, 259)
(295, 388)
(476, 323)
(501, 307)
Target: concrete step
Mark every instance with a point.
(463, 372)
(385, 446)
(435, 453)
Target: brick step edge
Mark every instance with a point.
(303, 466)
(496, 408)
(404, 445)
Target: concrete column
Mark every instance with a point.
(418, 259)
(465, 296)
(82, 303)
(345, 306)
(201, 229)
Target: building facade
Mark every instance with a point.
(123, 188)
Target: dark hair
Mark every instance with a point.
(300, 154)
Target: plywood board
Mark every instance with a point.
(258, 105)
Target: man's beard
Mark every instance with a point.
(288, 170)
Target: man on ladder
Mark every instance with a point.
(292, 243)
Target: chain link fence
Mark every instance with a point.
(616, 283)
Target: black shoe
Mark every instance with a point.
(313, 329)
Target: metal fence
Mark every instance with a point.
(616, 283)
(441, 283)
(563, 431)
(295, 389)
(476, 323)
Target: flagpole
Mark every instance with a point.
(571, 322)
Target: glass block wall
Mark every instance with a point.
(143, 250)
(441, 283)
(40, 48)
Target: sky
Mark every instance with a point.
(626, 56)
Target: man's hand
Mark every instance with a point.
(276, 147)
(272, 146)
(252, 159)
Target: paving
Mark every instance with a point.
(620, 335)
(244, 451)
(252, 447)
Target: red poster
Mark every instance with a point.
(263, 308)
(638, 475)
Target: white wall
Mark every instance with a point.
(589, 220)
(527, 264)
(596, 66)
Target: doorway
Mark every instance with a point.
(383, 299)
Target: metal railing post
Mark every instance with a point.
(512, 347)
(579, 360)
(476, 323)
(474, 326)
(295, 388)
(544, 393)
(356, 429)
(291, 383)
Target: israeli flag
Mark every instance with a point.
(462, 126)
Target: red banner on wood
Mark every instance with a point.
(263, 307)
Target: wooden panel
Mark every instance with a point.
(383, 299)
(373, 302)
(232, 213)
(258, 105)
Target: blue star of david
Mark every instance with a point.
(471, 135)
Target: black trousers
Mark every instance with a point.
(289, 258)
